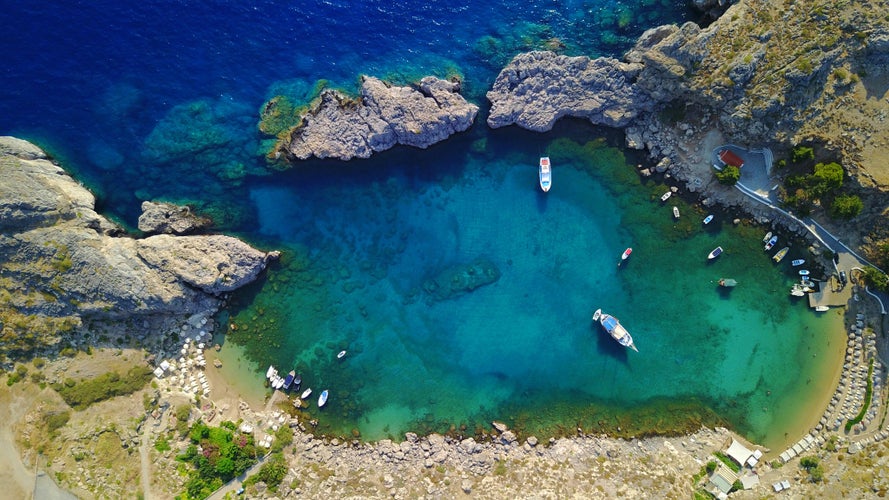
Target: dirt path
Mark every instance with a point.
(16, 478)
(145, 459)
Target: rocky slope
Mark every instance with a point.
(64, 268)
(338, 126)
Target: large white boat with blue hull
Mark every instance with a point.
(615, 329)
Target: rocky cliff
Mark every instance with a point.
(766, 72)
(338, 126)
(63, 267)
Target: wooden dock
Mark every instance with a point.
(832, 294)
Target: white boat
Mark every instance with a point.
(803, 272)
(624, 256)
(546, 174)
(278, 382)
(707, 219)
(306, 393)
(780, 255)
(822, 308)
(270, 372)
(716, 252)
(797, 262)
(615, 329)
(675, 211)
(771, 243)
(666, 196)
(727, 282)
(768, 235)
(322, 399)
(340, 355)
(797, 290)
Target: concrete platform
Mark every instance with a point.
(831, 294)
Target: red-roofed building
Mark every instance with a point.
(729, 158)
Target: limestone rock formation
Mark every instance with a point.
(537, 88)
(64, 267)
(460, 279)
(167, 218)
(381, 117)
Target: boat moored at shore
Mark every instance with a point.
(771, 243)
(780, 255)
(322, 399)
(615, 329)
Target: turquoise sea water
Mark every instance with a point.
(160, 100)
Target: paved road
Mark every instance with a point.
(233, 485)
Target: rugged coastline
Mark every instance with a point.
(436, 466)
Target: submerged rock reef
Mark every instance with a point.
(341, 127)
(65, 269)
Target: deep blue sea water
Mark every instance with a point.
(160, 100)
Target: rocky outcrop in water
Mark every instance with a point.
(166, 218)
(538, 88)
(461, 279)
(63, 266)
(341, 127)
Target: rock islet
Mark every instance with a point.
(383, 115)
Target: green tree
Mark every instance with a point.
(846, 206)
(729, 175)
(828, 176)
(225, 468)
(876, 278)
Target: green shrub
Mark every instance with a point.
(80, 395)
(801, 153)
(729, 175)
(56, 420)
(846, 206)
(876, 278)
(271, 473)
(711, 467)
(868, 394)
(162, 445)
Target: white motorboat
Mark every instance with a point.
(545, 174)
(624, 256)
(803, 272)
(666, 196)
(341, 355)
(822, 308)
(306, 393)
(797, 262)
(768, 235)
(716, 252)
(322, 399)
(707, 219)
(771, 243)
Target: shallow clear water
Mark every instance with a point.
(160, 100)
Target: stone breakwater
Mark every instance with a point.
(64, 268)
(341, 127)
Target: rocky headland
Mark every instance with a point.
(68, 274)
(767, 73)
(343, 127)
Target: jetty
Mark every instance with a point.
(831, 293)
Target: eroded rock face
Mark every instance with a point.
(61, 263)
(537, 88)
(166, 218)
(383, 116)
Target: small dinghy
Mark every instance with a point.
(768, 235)
(666, 196)
(675, 211)
(727, 282)
(322, 399)
(797, 262)
(624, 256)
(708, 219)
(341, 355)
(306, 393)
(803, 272)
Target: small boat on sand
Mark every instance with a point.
(780, 255)
(716, 252)
(727, 282)
(771, 243)
(707, 219)
(624, 256)
(666, 196)
(341, 355)
(768, 235)
(322, 399)
(545, 174)
(797, 262)
(822, 308)
(306, 393)
(615, 329)
(803, 272)
(675, 211)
